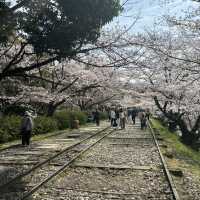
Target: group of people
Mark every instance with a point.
(118, 117)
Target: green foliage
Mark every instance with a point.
(52, 29)
(62, 118)
(103, 115)
(9, 128)
(174, 141)
(15, 109)
(10, 124)
(7, 21)
(82, 117)
(64, 26)
(65, 118)
(45, 124)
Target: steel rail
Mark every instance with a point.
(166, 171)
(2, 187)
(9, 147)
(35, 188)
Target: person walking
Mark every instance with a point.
(122, 118)
(97, 117)
(143, 120)
(133, 115)
(147, 113)
(26, 128)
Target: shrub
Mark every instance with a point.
(82, 117)
(9, 128)
(16, 109)
(43, 124)
(65, 118)
(103, 115)
(62, 118)
(10, 125)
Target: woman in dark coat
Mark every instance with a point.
(97, 117)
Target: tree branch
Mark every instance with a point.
(19, 5)
(68, 86)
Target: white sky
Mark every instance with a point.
(150, 11)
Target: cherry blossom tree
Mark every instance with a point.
(74, 84)
(169, 69)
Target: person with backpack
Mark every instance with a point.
(26, 128)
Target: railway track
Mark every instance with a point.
(23, 185)
(165, 168)
(18, 160)
(125, 164)
(126, 178)
(18, 145)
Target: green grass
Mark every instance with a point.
(184, 158)
(174, 142)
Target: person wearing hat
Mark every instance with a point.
(26, 128)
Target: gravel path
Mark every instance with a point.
(19, 159)
(125, 165)
(191, 186)
(132, 183)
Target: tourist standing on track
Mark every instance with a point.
(108, 113)
(26, 128)
(112, 117)
(147, 113)
(97, 117)
(133, 115)
(122, 118)
(117, 117)
(143, 120)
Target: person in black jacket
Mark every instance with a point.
(147, 113)
(133, 115)
(117, 117)
(97, 117)
(143, 121)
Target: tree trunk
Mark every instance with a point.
(53, 106)
(188, 137)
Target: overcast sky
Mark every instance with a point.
(150, 11)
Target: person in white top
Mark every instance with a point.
(113, 117)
